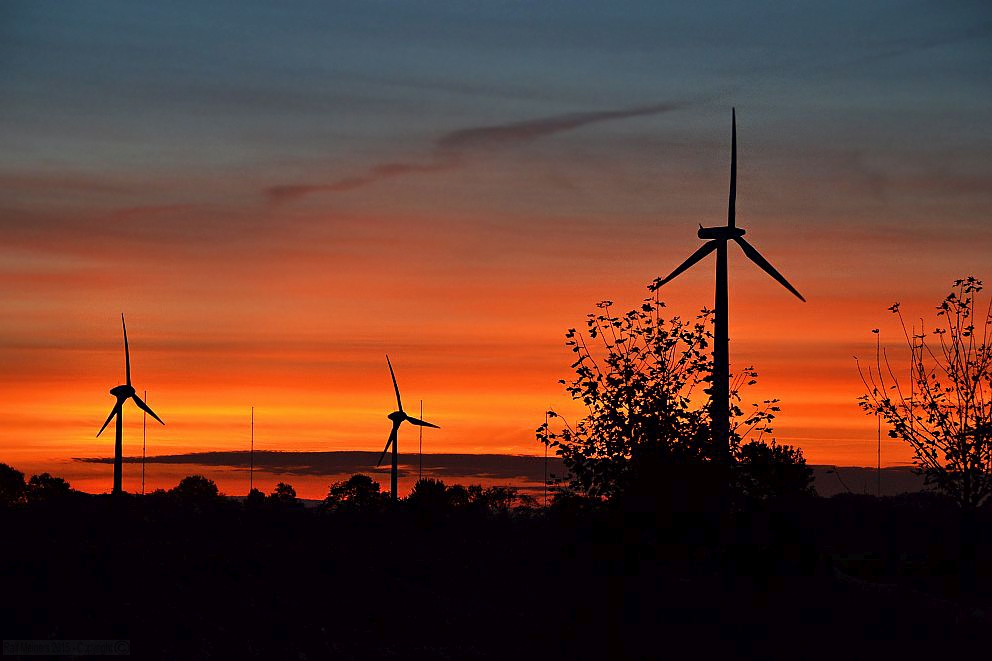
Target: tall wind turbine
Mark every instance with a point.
(123, 393)
(718, 239)
(398, 417)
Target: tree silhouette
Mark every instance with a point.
(480, 499)
(12, 486)
(643, 381)
(769, 471)
(255, 499)
(284, 495)
(44, 487)
(195, 488)
(458, 496)
(428, 494)
(943, 407)
(358, 493)
(492, 500)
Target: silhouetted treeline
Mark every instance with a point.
(455, 572)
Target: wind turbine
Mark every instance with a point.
(398, 417)
(123, 393)
(718, 239)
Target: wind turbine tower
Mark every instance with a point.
(717, 240)
(123, 393)
(398, 417)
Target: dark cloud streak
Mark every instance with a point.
(330, 464)
(914, 45)
(524, 470)
(453, 149)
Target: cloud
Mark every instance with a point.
(525, 469)
(912, 45)
(453, 149)
(522, 470)
(287, 193)
(489, 137)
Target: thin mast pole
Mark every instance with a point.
(878, 420)
(545, 461)
(144, 433)
(420, 475)
(251, 455)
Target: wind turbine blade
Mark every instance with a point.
(392, 439)
(704, 250)
(114, 411)
(127, 353)
(765, 266)
(421, 423)
(144, 407)
(732, 208)
(399, 404)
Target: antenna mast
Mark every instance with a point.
(420, 475)
(878, 440)
(545, 461)
(251, 455)
(144, 432)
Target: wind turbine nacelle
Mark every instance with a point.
(397, 416)
(722, 232)
(124, 391)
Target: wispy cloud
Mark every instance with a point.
(454, 149)
(909, 45)
(379, 172)
(490, 137)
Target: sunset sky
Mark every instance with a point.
(278, 194)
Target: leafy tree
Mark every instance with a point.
(526, 501)
(943, 406)
(358, 493)
(12, 486)
(644, 383)
(432, 494)
(255, 499)
(458, 496)
(428, 494)
(769, 471)
(477, 498)
(195, 488)
(44, 487)
(284, 495)
(493, 500)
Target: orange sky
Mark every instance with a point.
(482, 346)
(285, 198)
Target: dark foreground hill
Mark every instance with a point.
(842, 578)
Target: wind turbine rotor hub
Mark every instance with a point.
(123, 391)
(722, 232)
(397, 416)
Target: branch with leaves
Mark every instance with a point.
(942, 405)
(644, 382)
